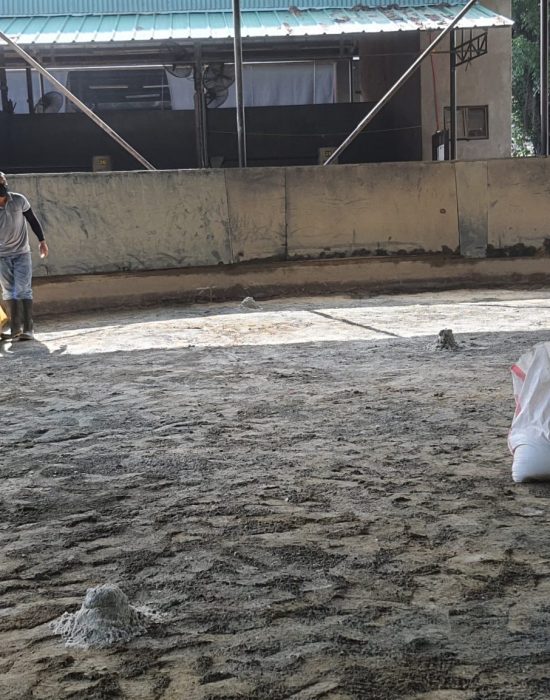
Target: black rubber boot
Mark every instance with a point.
(15, 319)
(28, 326)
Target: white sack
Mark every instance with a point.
(529, 437)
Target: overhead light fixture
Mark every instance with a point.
(140, 97)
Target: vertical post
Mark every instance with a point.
(342, 80)
(238, 52)
(30, 92)
(199, 106)
(452, 59)
(6, 107)
(544, 77)
(204, 130)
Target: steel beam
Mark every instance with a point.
(199, 106)
(238, 62)
(30, 89)
(4, 90)
(453, 105)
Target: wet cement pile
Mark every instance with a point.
(105, 619)
(446, 340)
(322, 519)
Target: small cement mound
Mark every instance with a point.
(105, 618)
(250, 303)
(446, 340)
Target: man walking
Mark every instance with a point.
(15, 261)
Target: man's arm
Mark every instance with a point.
(37, 228)
(34, 224)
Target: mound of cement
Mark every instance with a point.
(250, 303)
(446, 340)
(105, 618)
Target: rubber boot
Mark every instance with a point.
(5, 330)
(15, 321)
(28, 326)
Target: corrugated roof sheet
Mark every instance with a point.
(100, 29)
(33, 8)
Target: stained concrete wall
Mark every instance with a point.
(519, 203)
(380, 208)
(268, 279)
(113, 222)
(471, 197)
(110, 222)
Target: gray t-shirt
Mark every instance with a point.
(14, 238)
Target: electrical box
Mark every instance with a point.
(440, 145)
(325, 152)
(102, 164)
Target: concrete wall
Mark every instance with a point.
(372, 209)
(485, 81)
(116, 222)
(268, 279)
(108, 222)
(519, 203)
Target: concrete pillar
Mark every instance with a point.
(473, 214)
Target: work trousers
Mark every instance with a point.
(16, 276)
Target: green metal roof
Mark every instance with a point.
(108, 29)
(33, 8)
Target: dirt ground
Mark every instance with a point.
(317, 501)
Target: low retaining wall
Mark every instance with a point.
(118, 222)
(268, 279)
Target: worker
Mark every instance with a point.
(16, 262)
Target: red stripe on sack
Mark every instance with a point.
(518, 372)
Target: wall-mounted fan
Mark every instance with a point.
(217, 79)
(177, 60)
(50, 103)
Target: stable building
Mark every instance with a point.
(160, 72)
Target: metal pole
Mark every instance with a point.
(69, 95)
(403, 79)
(238, 52)
(199, 105)
(204, 130)
(4, 90)
(30, 90)
(452, 60)
(544, 77)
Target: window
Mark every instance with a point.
(112, 89)
(471, 122)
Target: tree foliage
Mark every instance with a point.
(525, 77)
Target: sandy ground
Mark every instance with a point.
(317, 501)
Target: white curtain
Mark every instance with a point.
(270, 84)
(182, 92)
(264, 84)
(17, 87)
